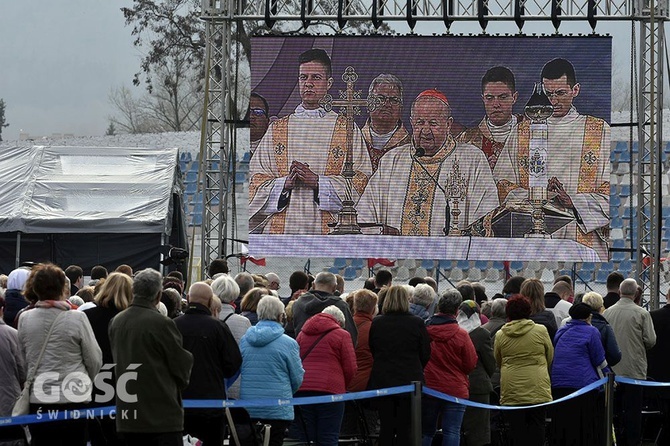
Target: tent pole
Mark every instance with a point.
(18, 250)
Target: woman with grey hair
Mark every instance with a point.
(422, 303)
(453, 357)
(328, 358)
(498, 317)
(271, 367)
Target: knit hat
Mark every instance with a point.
(580, 311)
(469, 307)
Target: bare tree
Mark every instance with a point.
(130, 115)
(3, 121)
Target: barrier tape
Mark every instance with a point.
(110, 411)
(464, 402)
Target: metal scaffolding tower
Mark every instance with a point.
(219, 127)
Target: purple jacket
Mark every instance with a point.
(578, 356)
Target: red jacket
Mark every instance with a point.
(363, 354)
(452, 357)
(331, 364)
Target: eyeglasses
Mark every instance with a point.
(559, 93)
(380, 99)
(257, 112)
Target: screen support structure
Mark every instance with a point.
(218, 133)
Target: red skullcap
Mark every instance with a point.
(434, 93)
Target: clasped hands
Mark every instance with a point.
(300, 175)
(561, 195)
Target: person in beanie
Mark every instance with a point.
(579, 360)
(476, 423)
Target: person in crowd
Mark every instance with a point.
(613, 283)
(423, 301)
(432, 282)
(659, 364)
(476, 421)
(383, 278)
(452, 358)
(165, 366)
(365, 308)
(328, 358)
(215, 306)
(468, 293)
(99, 272)
(524, 352)
(498, 316)
(271, 367)
(274, 283)
(384, 130)
(125, 269)
(216, 356)
(114, 297)
(558, 300)
(369, 284)
(76, 276)
(300, 188)
(534, 291)
(3, 282)
(216, 267)
(579, 360)
(512, 286)
(612, 351)
(339, 289)
(634, 331)
(87, 293)
(14, 296)
(564, 278)
(250, 303)
(171, 298)
(70, 346)
(320, 297)
(13, 372)
(245, 282)
(480, 294)
(400, 348)
(227, 290)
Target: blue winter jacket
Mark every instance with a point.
(578, 353)
(271, 368)
(612, 351)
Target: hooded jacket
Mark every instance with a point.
(579, 355)
(524, 353)
(452, 357)
(271, 368)
(331, 364)
(612, 351)
(314, 302)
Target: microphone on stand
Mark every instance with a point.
(418, 152)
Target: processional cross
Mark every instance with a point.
(349, 104)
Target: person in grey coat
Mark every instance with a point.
(13, 372)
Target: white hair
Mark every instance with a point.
(336, 313)
(225, 288)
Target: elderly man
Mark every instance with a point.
(216, 357)
(577, 162)
(499, 96)
(634, 331)
(416, 185)
(274, 283)
(296, 184)
(319, 297)
(149, 345)
(384, 130)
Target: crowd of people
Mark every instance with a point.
(144, 342)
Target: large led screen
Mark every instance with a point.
(430, 147)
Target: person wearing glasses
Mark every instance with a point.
(384, 129)
(499, 96)
(577, 161)
(408, 194)
(259, 119)
(297, 186)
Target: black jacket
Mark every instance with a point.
(400, 347)
(658, 359)
(216, 355)
(548, 319)
(314, 302)
(610, 299)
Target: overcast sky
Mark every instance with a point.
(60, 58)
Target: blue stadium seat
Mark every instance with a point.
(624, 157)
(334, 270)
(634, 148)
(350, 273)
(183, 165)
(621, 146)
(516, 265)
(601, 277)
(445, 264)
(197, 198)
(617, 222)
(463, 265)
(246, 157)
(196, 220)
(497, 265)
(340, 263)
(625, 190)
(190, 188)
(613, 156)
(588, 267)
(240, 177)
(191, 177)
(619, 256)
(195, 165)
(357, 263)
(608, 267)
(481, 265)
(197, 209)
(618, 243)
(427, 264)
(625, 267)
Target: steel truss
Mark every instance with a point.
(219, 129)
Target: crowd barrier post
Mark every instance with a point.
(609, 404)
(416, 414)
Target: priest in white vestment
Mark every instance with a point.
(403, 195)
(296, 183)
(577, 162)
